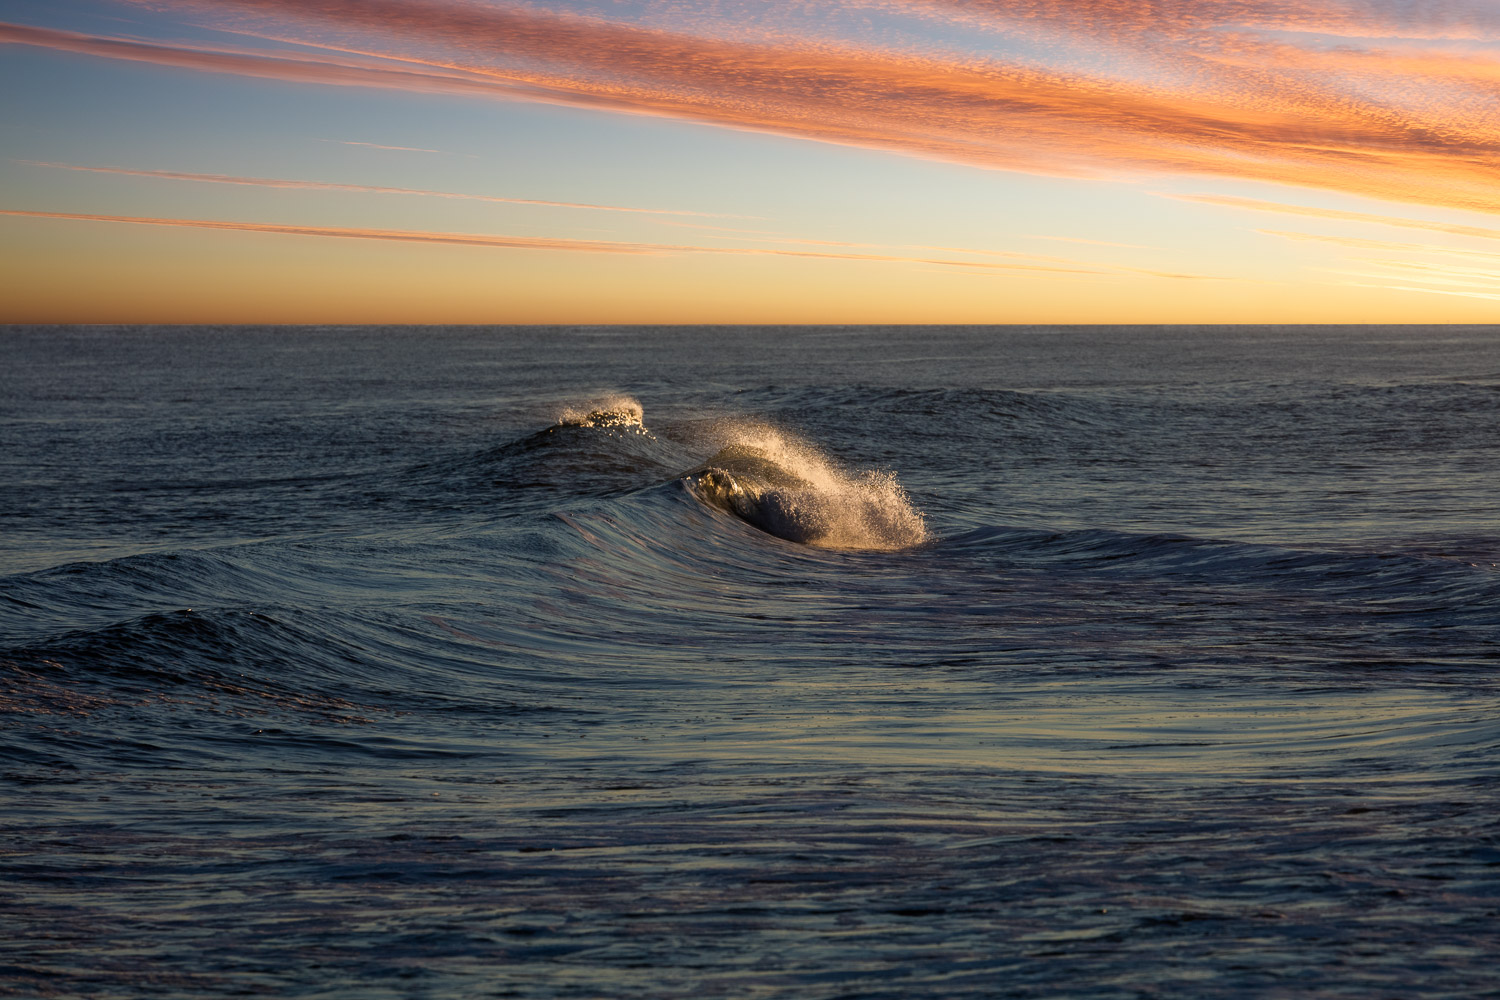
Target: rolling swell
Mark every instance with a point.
(1467, 575)
(762, 475)
(596, 449)
(462, 682)
(605, 497)
(1403, 607)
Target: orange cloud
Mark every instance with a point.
(1240, 88)
(1344, 18)
(285, 66)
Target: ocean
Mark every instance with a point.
(802, 662)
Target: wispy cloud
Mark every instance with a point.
(397, 235)
(1386, 287)
(1409, 267)
(1388, 246)
(302, 185)
(776, 244)
(506, 242)
(1339, 215)
(1343, 95)
(289, 66)
(378, 145)
(1349, 95)
(1362, 19)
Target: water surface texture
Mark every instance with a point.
(795, 663)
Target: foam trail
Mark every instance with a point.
(788, 488)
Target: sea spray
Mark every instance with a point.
(777, 482)
(613, 411)
(788, 488)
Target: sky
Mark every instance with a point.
(739, 161)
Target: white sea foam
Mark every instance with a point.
(790, 489)
(607, 411)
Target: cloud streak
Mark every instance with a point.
(506, 242)
(1412, 267)
(1386, 246)
(1356, 96)
(1362, 19)
(301, 185)
(377, 145)
(1339, 215)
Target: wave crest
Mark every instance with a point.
(789, 489)
(610, 412)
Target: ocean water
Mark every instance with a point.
(771, 662)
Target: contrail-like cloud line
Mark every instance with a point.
(398, 235)
(1386, 287)
(379, 145)
(300, 185)
(1340, 215)
(1386, 246)
(537, 242)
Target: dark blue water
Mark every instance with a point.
(803, 663)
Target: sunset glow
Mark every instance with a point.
(1075, 161)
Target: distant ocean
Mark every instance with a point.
(804, 663)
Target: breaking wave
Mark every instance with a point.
(788, 488)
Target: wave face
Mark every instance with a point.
(792, 662)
